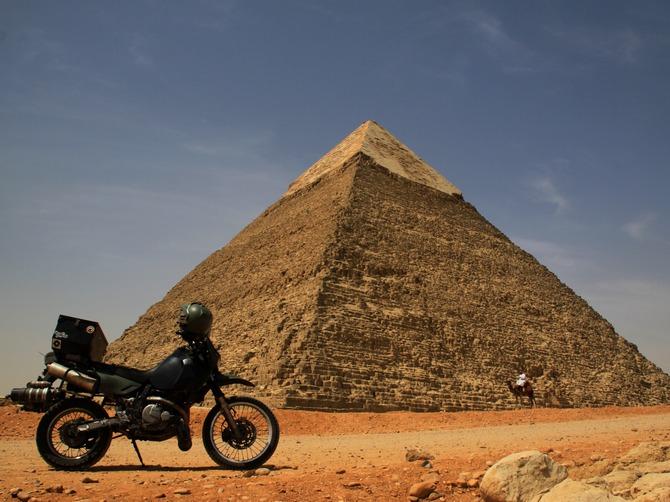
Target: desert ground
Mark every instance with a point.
(334, 456)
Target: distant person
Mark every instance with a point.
(521, 387)
(521, 381)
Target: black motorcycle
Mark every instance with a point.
(76, 386)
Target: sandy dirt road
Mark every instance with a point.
(369, 448)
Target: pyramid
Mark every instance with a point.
(373, 285)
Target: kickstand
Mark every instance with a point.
(137, 450)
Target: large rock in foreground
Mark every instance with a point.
(641, 475)
(521, 477)
(576, 491)
(650, 451)
(653, 482)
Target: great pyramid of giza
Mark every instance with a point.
(373, 285)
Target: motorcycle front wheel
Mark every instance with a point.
(59, 442)
(259, 434)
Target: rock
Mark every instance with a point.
(262, 471)
(472, 483)
(86, 479)
(182, 491)
(23, 496)
(601, 467)
(413, 455)
(576, 491)
(412, 499)
(520, 477)
(656, 495)
(622, 493)
(647, 452)
(431, 476)
(615, 481)
(14, 491)
(650, 482)
(55, 489)
(461, 483)
(340, 471)
(70, 491)
(434, 496)
(422, 490)
(353, 484)
(647, 467)
(426, 464)
(248, 474)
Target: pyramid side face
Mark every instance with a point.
(387, 151)
(367, 286)
(262, 288)
(427, 306)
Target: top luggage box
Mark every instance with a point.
(78, 340)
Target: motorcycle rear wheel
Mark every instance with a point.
(259, 428)
(58, 443)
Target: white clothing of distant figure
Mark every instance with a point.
(521, 380)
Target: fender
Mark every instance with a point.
(223, 379)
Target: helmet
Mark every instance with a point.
(195, 321)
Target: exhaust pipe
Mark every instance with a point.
(105, 423)
(35, 398)
(72, 376)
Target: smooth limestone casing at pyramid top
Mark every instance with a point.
(372, 285)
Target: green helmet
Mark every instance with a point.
(195, 321)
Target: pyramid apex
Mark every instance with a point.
(385, 149)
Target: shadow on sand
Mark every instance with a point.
(162, 468)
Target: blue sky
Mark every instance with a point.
(138, 137)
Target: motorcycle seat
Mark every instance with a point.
(165, 375)
(139, 376)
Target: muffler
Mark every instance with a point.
(72, 376)
(36, 396)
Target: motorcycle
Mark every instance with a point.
(76, 387)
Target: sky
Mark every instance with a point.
(137, 137)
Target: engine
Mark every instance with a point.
(155, 416)
(140, 415)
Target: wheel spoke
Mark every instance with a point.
(60, 425)
(255, 428)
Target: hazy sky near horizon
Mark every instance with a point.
(138, 137)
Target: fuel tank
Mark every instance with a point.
(178, 372)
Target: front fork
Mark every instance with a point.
(225, 409)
